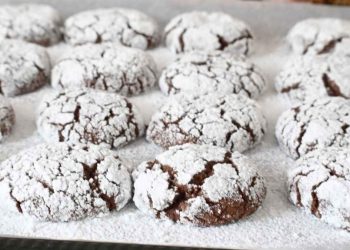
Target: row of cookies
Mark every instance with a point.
(223, 187)
(26, 67)
(128, 27)
(75, 179)
(314, 131)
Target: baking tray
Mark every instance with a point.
(277, 224)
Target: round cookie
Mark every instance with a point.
(86, 116)
(315, 124)
(128, 27)
(320, 184)
(7, 118)
(203, 31)
(108, 67)
(317, 36)
(208, 72)
(35, 23)
(309, 77)
(198, 184)
(234, 122)
(24, 67)
(61, 182)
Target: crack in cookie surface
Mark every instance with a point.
(7, 118)
(207, 72)
(313, 125)
(198, 184)
(61, 182)
(106, 67)
(84, 116)
(320, 185)
(199, 31)
(232, 121)
(128, 27)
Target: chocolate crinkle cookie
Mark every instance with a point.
(203, 31)
(231, 121)
(128, 27)
(208, 72)
(109, 67)
(87, 116)
(198, 184)
(61, 182)
(33, 23)
(24, 67)
(317, 36)
(313, 125)
(7, 118)
(320, 184)
(309, 77)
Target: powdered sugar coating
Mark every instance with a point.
(60, 182)
(321, 185)
(34, 23)
(207, 72)
(318, 35)
(309, 77)
(315, 124)
(108, 67)
(198, 184)
(7, 118)
(203, 31)
(86, 116)
(24, 67)
(128, 27)
(231, 121)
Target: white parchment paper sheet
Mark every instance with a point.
(276, 224)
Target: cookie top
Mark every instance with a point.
(35, 23)
(320, 184)
(60, 182)
(198, 184)
(215, 71)
(315, 124)
(203, 31)
(24, 67)
(7, 118)
(109, 67)
(87, 116)
(128, 27)
(309, 77)
(317, 36)
(231, 121)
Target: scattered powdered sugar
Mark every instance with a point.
(314, 124)
(318, 35)
(231, 121)
(7, 118)
(203, 31)
(35, 23)
(198, 184)
(109, 67)
(321, 185)
(276, 224)
(87, 116)
(207, 72)
(59, 182)
(308, 77)
(128, 27)
(24, 67)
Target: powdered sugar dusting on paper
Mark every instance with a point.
(277, 224)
